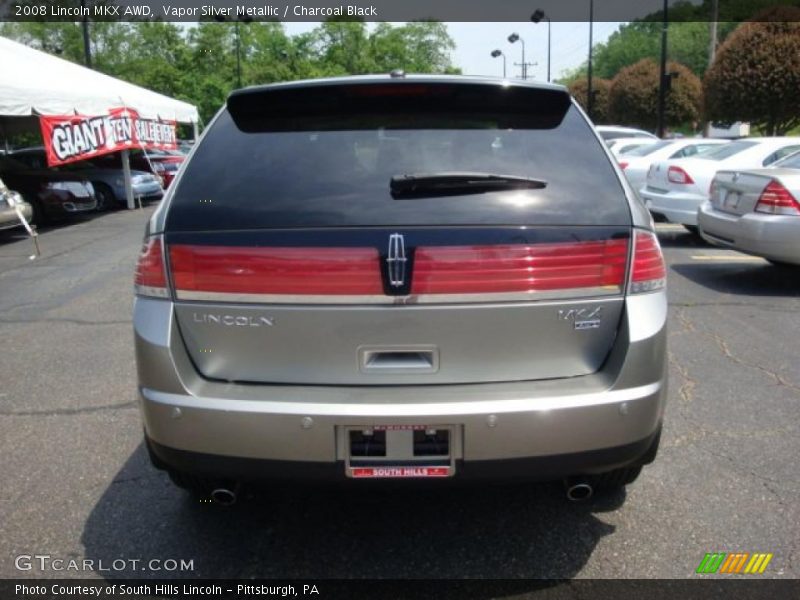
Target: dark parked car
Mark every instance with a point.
(401, 277)
(52, 194)
(109, 184)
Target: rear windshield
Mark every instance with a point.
(336, 172)
(649, 148)
(790, 162)
(726, 150)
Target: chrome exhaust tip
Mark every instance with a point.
(578, 490)
(224, 496)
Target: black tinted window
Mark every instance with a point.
(339, 178)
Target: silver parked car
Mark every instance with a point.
(675, 189)
(9, 201)
(756, 211)
(401, 277)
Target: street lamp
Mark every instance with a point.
(514, 37)
(536, 17)
(239, 19)
(495, 54)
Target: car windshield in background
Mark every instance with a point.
(649, 148)
(337, 178)
(725, 150)
(790, 162)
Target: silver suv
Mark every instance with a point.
(401, 277)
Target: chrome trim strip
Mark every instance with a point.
(565, 294)
(152, 292)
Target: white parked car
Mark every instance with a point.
(612, 132)
(636, 162)
(676, 188)
(756, 211)
(621, 146)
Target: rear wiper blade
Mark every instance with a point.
(422, 185)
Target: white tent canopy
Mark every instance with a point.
(34, 82)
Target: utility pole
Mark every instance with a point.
(663, 81)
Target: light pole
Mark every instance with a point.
(495, 54)
(664, 79)
(590, 99)
(536, 17)
(239, 19)
(87, 48)
(514, 37)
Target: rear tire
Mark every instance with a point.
(105, 197)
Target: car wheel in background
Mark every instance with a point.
(105, 197)
(39, 217)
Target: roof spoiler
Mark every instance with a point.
(420, 103)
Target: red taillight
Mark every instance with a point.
(519, 268)
(284, 271)
(623, 165)
(777, 200)
(648, 271)
(678, 175)
(150, 278)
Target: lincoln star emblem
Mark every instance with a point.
(396, 260)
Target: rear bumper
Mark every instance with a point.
(582, 418)
(543, 468)
(676, 207)
(770, 236)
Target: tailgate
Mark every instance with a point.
(466, 305)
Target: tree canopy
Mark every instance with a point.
(756, 74)
(198, 64)
(633, 97)
(580, 90)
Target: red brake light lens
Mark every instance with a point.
(678, 175)
(648, 271)
(519, 268)
(284, 271)
(150, 277)
(777, 200)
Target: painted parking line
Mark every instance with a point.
(727, 257)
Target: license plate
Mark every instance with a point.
(732, 200)
(399, 451)
(399, 472)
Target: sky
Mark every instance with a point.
(475, 42)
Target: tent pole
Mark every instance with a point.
(126, 169)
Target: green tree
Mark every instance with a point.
(601, 87)
(756, 74)
(633, 97)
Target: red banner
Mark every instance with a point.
(71, 138)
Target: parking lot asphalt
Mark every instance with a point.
(77, 483)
